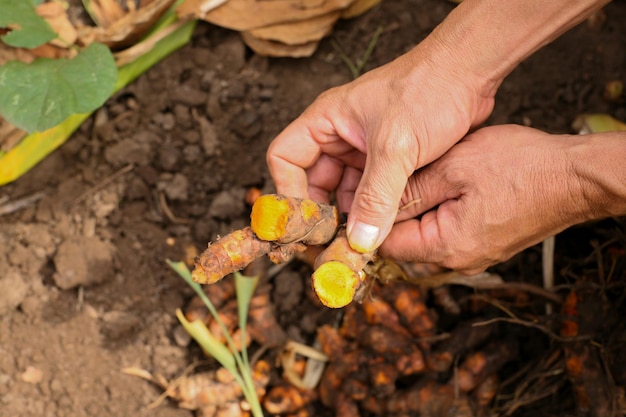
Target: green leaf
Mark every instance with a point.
(241, 371)
(182, 270)
(28, 29)
(244, 287)
(201, 334)
(38, 96)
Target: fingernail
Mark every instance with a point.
(363, 237)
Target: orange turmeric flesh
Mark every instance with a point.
(284, 219)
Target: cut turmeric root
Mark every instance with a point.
(338, 272)
(284, 220)
(280, 227)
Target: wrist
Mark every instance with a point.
(598, 174)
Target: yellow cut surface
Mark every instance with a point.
(269, 217)
(335, 284)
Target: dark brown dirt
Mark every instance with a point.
(84, 288)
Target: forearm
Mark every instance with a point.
(489, 38)
(596, 162)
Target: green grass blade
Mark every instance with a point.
(201, 334)
(184, 272)
(244, 287)
(244, 375)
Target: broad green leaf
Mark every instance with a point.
(38, 96)
(34, 147)
(28, 29)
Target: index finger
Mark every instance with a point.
(293, 155)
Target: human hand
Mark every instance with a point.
(497, 192)
(363, 140)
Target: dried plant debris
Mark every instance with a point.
(213, 393)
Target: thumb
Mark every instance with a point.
(377, 197)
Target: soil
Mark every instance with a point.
(162, 169)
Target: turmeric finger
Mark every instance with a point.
(284, 219)
(231, 253)
(338, 272)
(283, 399)
(280, 227)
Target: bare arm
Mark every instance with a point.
(598, 170)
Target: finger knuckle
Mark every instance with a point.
(373, 204)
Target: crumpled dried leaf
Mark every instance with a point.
(129, 29)
(139, 49)
(8, 53)
(197, 8)
(55, 13)
(272, 48)
(245, 15)
(358, 8)
(298, 33)
(104, 12)
(9, 135)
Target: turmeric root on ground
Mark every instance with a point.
(280, 227)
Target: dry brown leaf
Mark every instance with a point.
(279, 49)
(358, 7)
(8, 53)
(105, 12)
(298, 33)
(129, 29)
(130, 54)
(9, 135)
(55, 13)
(245, 15)
(197, 8)
(27, 56)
